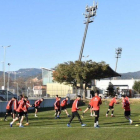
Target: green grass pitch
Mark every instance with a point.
(45, 127)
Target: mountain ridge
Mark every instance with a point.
(36, 72)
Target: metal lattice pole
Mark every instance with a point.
(90, 13)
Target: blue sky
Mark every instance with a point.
(43, 33)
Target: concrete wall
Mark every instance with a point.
(45, 103)
(58, 89)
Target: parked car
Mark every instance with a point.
(3, 95)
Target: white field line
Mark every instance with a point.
(88, 127)
(73, 127)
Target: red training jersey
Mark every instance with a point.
(96, 102)
(126, 105)
(64, 103)
(90, 103)
(75, 106)
(57, 105)
(112, 102)
(9, 105)
(37, 103)
(21, 106)
(15, 104)
(27, 104)
(20, 101)
(127, 99)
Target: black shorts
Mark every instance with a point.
(14, 112)
(57, 109)
(127, 113)
(75, 114)
(36, 107)
(8, 110)
(25, 113)
(96, 112)
(20, 114)
(89, 106)
(111, 107)
(63, 107)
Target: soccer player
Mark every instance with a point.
(63, 106)
(111, 106)
(56, 96)
(9, 109)
(37, 105)
(57, 108)
(15, 102)
(75, 112)
(20, 111)
(26, 113)
(126, 106)
(126, 97)
(96, 102)
(21, 97)
(90, 106)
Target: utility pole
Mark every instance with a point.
(4, 64)
(8, 80)
(90, 13)
(8, 76)
(118, 55)
(3, 74)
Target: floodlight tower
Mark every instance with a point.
(118, 55)
(90, 13)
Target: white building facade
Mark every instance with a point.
(122, 85)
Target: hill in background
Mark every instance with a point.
(37, 73)
(25, 73)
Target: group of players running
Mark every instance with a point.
(20, 109)
(94, 106)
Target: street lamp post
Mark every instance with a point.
(3, 74)
(8, 80)
(4, 63)
(90, 13)
(8, 76)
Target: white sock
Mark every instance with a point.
(12, 122)
(20, 124)
(95, 124)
